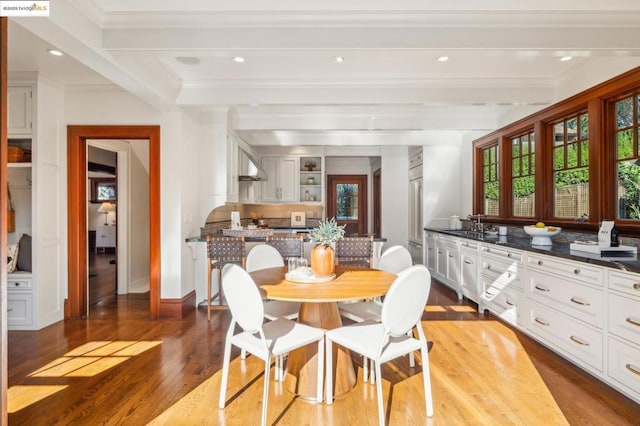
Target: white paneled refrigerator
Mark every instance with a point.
(415, 213)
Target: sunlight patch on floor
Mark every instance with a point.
(480, 374)
(87, 360)
(19, 397)
(93, 358)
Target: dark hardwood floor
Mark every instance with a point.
(120, 367)
(102, 277)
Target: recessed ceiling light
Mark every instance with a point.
(443, 58)
(238, 59)
(338, 59)
(55, 52)
(188, 60)
(566, 58)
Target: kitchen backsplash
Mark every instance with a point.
(274, 216)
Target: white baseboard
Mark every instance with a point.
(140, 285)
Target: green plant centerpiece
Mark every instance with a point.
(322, 254)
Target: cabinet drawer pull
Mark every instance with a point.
(576, 271)
(537, 287)
(468, 262)
(579, 302)
(540, 262)
(9, 309)
(579, 341)
(633, 369)
(450, 256)
(539, 321)
(488, 250)
(632, 321)
(509, 302)
(488, 266)
(636, 286)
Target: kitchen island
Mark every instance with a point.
(198, 248)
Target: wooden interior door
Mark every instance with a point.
(347, 202)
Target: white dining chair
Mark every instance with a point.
(395, 259)
(264, 340)
(265, 256)
(392, 337)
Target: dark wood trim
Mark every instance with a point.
(77, 209)
(361, 181)
(178, 308)
(97, 167)
(598, 102)
(3, 226)
(377, 203)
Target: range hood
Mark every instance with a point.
(248, 169)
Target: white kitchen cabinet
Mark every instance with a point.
(469, 269)
(623, 326)
(500, 282)
(430, 251)
(281, 185)
(19, 105)
(105, 236)
(20, 301)
(448, 263)
(415, 210)
(311, 181)
(566, 308)
(572, 297)
(581, 343)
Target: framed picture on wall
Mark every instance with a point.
(103, 189)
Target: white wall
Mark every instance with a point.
(395, 195)
(441, 181)
(139, 218)
(179, 170)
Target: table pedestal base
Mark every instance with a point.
(302, 363)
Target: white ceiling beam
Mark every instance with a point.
(200, 39)
(79, 37)
(350, 95)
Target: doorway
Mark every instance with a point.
(102, 225)
(77, 137)
(347, 202)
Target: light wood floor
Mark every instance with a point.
(121, 368)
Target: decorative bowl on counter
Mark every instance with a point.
(541, 236)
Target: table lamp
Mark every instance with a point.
(105, 208)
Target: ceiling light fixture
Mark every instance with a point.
(55, 52)
(338, 59)
(443, 58)
(238, 59)
(566, 58)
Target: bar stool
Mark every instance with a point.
(221, 251)
(287, 246)
(355, 251)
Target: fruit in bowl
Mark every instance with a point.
(541, 235)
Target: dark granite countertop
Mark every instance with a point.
(560, 248)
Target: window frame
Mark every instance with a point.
(508, 141)
(598, 102)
